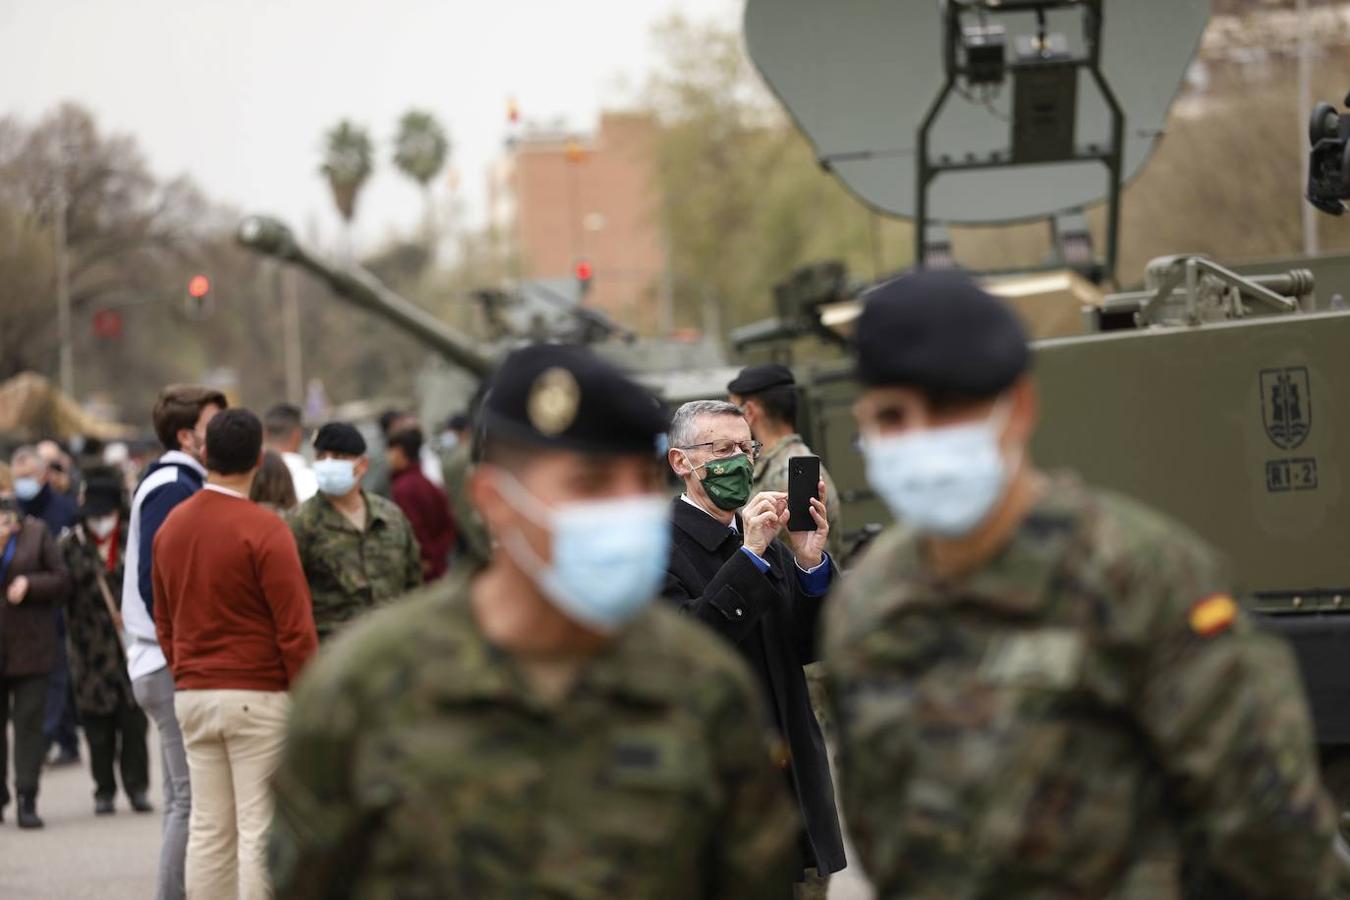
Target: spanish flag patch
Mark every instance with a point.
(1213, 614)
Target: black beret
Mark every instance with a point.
(101, 492)
(940, 331)
(339, 437)
(754, 379)
(565, 397)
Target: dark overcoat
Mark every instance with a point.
(773, 623)
(28, 629)
(98, 665)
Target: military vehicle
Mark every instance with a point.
(675, 369)
(1212, 393)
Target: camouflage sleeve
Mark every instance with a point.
(756, 843)
(871, 707)
(316, 843)
(297, 523)
(1223, 705)
(412, 562)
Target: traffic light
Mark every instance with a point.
(108, 324)
(198, 297)
(583, 272)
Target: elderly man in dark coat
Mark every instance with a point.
(728, 570)
(113, 724)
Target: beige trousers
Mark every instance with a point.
(234, 741)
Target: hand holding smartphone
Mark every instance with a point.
(803, 486)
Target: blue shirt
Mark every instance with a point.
(814, 581)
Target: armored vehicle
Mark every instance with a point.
(1211, 394)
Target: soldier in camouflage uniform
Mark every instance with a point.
(357, 548)
(539, 728)
(473, 549)
(1042, 690)
(767, 396)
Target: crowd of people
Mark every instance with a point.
(80, 645)
(559, 680)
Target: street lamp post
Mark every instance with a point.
(66, 352)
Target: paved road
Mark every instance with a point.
(77, 855)
(82, 857)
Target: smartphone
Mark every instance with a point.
(803, 484)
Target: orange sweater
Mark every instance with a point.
(232, 609)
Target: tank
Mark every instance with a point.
(674, 370)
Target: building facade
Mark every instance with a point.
(559, 200)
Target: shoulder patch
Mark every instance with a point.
(1212, 615)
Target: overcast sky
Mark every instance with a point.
(237, 93)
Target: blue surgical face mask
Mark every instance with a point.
(609, 556)
(940, 481)
(336, 477)
(27, 488)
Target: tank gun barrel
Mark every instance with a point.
(271, 237)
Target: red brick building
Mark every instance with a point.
(557, 199)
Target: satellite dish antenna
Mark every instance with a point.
(920, 106)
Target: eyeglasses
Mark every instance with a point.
(728, 448)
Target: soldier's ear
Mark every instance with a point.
(1025, 413)
(485, 497)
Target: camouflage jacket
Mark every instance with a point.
(351, 571)
(98, 666)
(420, 765)
(771, 474)
(475, 546)
(1060, 723)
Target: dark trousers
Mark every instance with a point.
(21, 703)
(58, 724)
(118, 736)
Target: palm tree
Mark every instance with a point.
(420, 151)
(348, 162)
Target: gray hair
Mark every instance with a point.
(684, 424)
(28, 452)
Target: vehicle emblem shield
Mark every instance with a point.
(1286, 406)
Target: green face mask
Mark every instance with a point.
(728, 481)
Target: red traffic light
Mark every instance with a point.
(583, 271)
(108, 324)
(199, 286)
